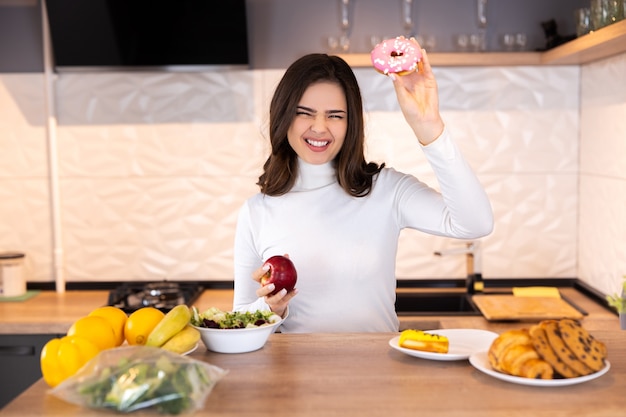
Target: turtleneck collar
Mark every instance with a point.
(311, 176)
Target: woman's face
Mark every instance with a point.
(319, 128)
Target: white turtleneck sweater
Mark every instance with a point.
(344, 248)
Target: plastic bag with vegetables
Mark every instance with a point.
(134, 378)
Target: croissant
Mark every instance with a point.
(513, 353)
(502, 343)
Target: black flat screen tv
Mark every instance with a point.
(147, 34)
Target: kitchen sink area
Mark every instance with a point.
(456, 298)
(425, 303)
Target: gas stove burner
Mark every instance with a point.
(163, 295)
(160, 295)
(160, 292)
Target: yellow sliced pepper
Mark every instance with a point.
(63, 357)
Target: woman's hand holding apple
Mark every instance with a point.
(278, 278)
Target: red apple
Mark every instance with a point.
(282, 273)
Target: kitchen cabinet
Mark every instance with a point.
(19, 361)
(603, 43)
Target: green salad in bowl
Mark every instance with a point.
(234, 331)
(214, 318)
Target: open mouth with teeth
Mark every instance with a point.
(317, 145)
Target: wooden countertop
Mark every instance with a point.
(50, 312)
(359, 374)
(344, 374)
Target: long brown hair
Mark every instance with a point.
(354, 174)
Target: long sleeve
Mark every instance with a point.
(462, 209)
(247, 260)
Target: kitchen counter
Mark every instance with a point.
(344, 374)
(359, 374)
(49, 312)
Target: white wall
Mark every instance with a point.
(602, 217)
(153, 167)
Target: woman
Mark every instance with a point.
(339, 217)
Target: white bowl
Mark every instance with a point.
(236, 340)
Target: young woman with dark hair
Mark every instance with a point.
(353, 172)
(339, 217)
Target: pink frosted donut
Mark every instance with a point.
(396, 56)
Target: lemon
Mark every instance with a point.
(116, 318)
(140, 324)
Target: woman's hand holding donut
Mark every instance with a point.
(278, 302)
(419, 100)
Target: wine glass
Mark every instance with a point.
(462, 42)
(333, 43)
(508, 41)
(477, 42)
(375, 40)
(344, 43)
(520, 41)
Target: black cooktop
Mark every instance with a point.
(163, 295)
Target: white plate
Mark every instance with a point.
(193, 349)
(480, 361)
(463, 342)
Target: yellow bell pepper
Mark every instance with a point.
(63, 357)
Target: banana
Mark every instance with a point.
(174, 321)
(183, 341)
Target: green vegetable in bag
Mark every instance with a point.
(139, 377)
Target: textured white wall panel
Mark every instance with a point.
(162, 97)
(154, 167)
(161, 150)
(22, 127)
(485, 88)
(155, 228)
(535, 226)
(602, 236)
(24, 190)
(25, 224)
(603, 119)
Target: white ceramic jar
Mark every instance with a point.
(12, 279)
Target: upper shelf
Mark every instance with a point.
(603, 43)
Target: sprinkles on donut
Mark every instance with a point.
(396, 56)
